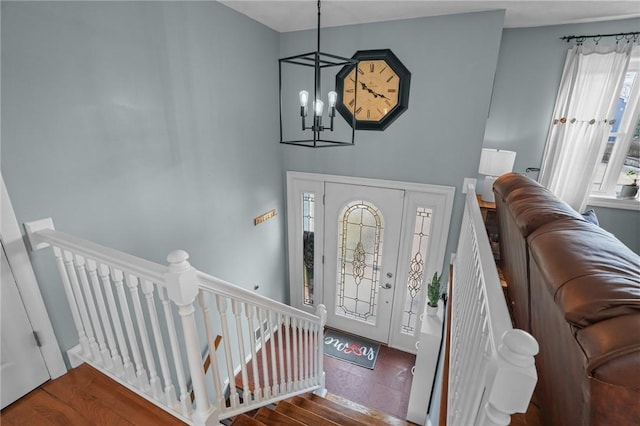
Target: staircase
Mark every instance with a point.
(152, 327)
(311, 409)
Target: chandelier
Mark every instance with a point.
(313, 131)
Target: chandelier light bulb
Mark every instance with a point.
(333, 97)
(318, 106)
(304, 98)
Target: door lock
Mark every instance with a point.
(386, 286)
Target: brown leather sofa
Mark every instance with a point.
(576, 289)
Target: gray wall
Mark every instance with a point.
(452, 60)
(145, 126)
(150, 126)
(527, 78)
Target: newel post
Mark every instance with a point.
(182, 288)
(321, 311)
(515, 378)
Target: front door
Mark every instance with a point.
(22, 366)
(362, 239)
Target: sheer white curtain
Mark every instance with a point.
(582, 118)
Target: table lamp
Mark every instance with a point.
(493, 163)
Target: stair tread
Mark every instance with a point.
(302, 415)
(337, 416)
(244, 420)
(275, 418)
(358, 411)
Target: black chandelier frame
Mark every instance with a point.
(318, 61)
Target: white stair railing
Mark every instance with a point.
(147, 325)
(491, 369)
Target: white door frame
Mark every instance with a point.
(28, 286)
(439, 198)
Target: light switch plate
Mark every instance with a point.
(466, 182)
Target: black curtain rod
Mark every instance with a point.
(633, 36)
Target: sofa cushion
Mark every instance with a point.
(509, 182)
(590, 273)
(612, 350)
(534, 206)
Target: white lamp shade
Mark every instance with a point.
(496, 162)
(493, 163)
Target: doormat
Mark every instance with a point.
(349, 348)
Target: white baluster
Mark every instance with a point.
(104, 358)
(275, 388)
(263, 345)
(246, 392)
(155, 387)
(281, 354)
(182, 286)
(112, 361)
(215, 369)
(75, 285)
(295, 354)
(313, 366)
(302, 349)
(221, 303)
(288, 352)
(75, 313)
(321, 311)
(169, 390)
(185, 400)
(315, 354)
(141, 375)
(127, 367)
(248, 310)
(307, 353)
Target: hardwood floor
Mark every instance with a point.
(84, 397)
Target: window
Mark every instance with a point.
(359, 254)
(620, 160)
(415, 275)
(308, 252)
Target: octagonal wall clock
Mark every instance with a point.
(376, 91)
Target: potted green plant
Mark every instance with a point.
(433, 294)
(630, 190)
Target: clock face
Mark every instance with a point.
(373, 93)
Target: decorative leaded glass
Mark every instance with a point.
(416, 270)
(308, 221)
(359, 255)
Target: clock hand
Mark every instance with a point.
(376, 95)
(364, 87)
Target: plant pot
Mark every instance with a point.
(629, 191)
(432, 310)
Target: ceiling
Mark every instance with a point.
(294, 15)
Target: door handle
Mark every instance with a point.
(386, 286)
